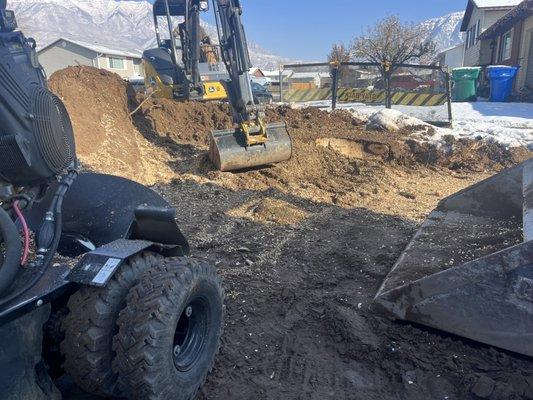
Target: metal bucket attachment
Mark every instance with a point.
(469, 268)
(228, 150)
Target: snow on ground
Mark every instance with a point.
(510, 124)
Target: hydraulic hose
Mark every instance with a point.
(13, 250)
(55, 229)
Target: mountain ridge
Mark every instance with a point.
(128, 25)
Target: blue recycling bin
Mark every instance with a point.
(501, 82)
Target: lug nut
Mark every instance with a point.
(188, 312)
(177, 351)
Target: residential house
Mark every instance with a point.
(510, 41)
(310, 80)
(64, 53)
(451, 57)
(274, 76)
(256, 72)
(257, 75)
(480, 15)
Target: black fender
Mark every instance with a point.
(98, 266)
(100, 209)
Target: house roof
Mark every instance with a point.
(253, 70)
(451, 48)
(275, 73)
(485, 4)
(520, 12)
(305, 75)
(96, 47)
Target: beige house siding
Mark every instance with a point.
(65, 54)
(488, 18)
(526, 63)
(472, 53)
(126, 73)
(491, 17)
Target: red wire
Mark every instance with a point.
(26, 232)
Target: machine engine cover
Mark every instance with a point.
(36, 136)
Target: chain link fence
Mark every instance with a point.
(417, 90)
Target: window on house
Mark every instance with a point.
(506, 44)
(116, 63)
(472, 34)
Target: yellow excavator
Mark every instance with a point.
(186, 66)
(196, 69)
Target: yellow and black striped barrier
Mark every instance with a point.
(367, 96)
(304, 95)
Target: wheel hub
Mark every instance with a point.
(191, 334)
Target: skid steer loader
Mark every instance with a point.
(175, 70)
(469, 269)
(103, 294)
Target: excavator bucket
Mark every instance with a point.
(469, 269)
(228, 150)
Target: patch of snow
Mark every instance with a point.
(496, 3)
(393, 121)
(510, 124)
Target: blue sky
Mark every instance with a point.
(305, 29)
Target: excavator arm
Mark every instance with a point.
(234, 46)
(253, 143)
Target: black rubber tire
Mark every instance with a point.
(148, 330)
(92, 323)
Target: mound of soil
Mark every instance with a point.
(106, 139)
(335, 160)
(185, 122)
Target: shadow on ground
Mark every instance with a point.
(299, 319)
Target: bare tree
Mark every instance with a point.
(391, 42)
(340, 54)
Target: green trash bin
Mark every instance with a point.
(465, 84)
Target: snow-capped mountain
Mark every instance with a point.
(445, 31)
(126, 25)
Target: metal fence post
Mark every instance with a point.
(335, 84)
(281, 85)
(386, 73)
(449, 97)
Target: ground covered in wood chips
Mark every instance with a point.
(302, 246)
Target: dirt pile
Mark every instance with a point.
(106, 139)
(184, 122)
(335, 161)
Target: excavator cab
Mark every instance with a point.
(185, 65)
